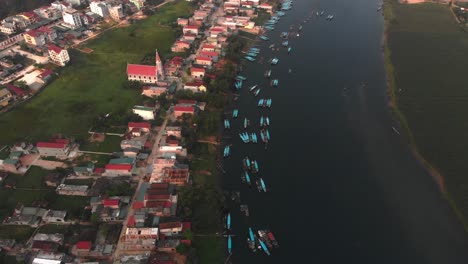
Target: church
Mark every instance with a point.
(146, 73)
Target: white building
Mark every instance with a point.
(147, 113)
(58, 55)
(8, 28)
(99, 8)
(116, 12)
(72, 18)
(74, 2)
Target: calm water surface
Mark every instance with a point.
(344, 185)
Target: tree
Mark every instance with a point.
(182, 248)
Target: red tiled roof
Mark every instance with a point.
(83, 245)
(55, 48)
(131, 221)
(29, 14)
(98, 170)
(44, 30)
(159, 186)
(45, 73)
(139, 125)
(182, 42)
(51, 145)
(194, 69)
(203, 58)
(14, 89)
(138, 205)
(32, 33)
(184, 109)
(146, 70)
(191, 27)
(154, 204)
(186, 241)
(111, 202)
(126, 167)
(217, 29)
(209, 53)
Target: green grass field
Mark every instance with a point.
(92, 84)
(109, 145)
(428, 53)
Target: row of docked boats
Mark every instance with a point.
(264, 102)
(248, 137)
(260, 183)
(264, 121)
(227, 124)
(250, 165)
(238, 84)
(264, 240)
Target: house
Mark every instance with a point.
(197, 73)
(180, 46)
(195, 87)
(116, 12)
(111, 203)
(53, 179)
(58, 148)
(168, 245)
(157, 199)
(35, 38)
(266, 7)
(146, 73)
(84, 170)
(138, 3)
(190, 29)
(11, 165)
(170, 228)
(54, 216)
(118, 169)
(7, 244)
(140, 239)
(210, 54)
(125, 160)
(177, 174)
(180, 110)
(204, 61)
(72, 18)
(30, 17)
(147, 113)
(26, 216)
(137, 142)
(58, 55)
(5, 97)
(182, 21)
(99, 8)
(215, 31)
(173, 131)
(75, 190)
(45, 76)
(143, 126)
(48, 32)
(208, 47)
(151, 91)
(18, 92)
(82, 248)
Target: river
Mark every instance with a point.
(344, 186)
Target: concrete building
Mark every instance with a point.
(58, 55)
(147, 113)
(35, 38)
(8, 28)
(77, 190)
(54, 216)
(116, 12)
(5, 97)
(99, 8)
(151, 91)
(74, 2)
(118, 169)
(138, 239)
(72, 18)
(57, 148)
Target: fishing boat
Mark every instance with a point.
(263, 136)
(264, 38)
(262, 120)
(253, 137)
(322, 13)
(257, 92)
(273, 240)
(227, 124)
(244, 209)
(259, 185)
(228, 221)
(246, 122)
(271, 46)
(280, 13)
(264, 237)
(285, 43)
(262, 184)
(274, 61)
(247, 178)
(268, 134)
(260, 102)
(244, 137)
(246, 163)
(300, 28)
(241, 78)
(229, 245)
(268, 73)
(235, 113)
(264, 247)
(267, 121)
(274, 82)
(252, 88)
(249, 58)
(227, 151)
(251, 244)
(289, 50)
(255, 166)
(268, 103)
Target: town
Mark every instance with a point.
(122, 195)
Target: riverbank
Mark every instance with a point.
(423, 58)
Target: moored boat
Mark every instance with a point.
(229, 245)
(264, 247)
(228, 221)
(241, 78)
(257, 92)
(289, 49)
(272, 238)
(262, 184)
(264, 38)
(268, 73)
(252, 87)
(246, 122)
(249, 58)
(235, 113)
(247, 178)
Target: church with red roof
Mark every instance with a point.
(146, 73)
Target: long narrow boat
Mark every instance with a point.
(257, 92)
(268, 74)
(251, 234)
(246, 122)
(229, 245)
(263, 136)
(273, 240)
(289, 50)
(249, 58)
(252, 87)
(256, 166)
(235, 113)
(264, 247)
(254, 137)
(261, 120)
(268, 103)
(285, 43)
(267, 120)
(264, 38)
(263, 185)
(260, 102)
(240, 77)
(247, 178)
(268, 134)
(228, 221)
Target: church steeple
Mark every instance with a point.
(159, 67)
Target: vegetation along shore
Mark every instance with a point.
(424, 48)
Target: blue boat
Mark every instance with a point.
(257, 92)
(227, 124)
(274, 61)
(268, 73)
(249, 58)
(267, 119)
(254, 137)
(285, 43)
(247, 178)
(256, 165)
(274, 82)
(251, 234)
(247, 161)
(246, 122)
(261, 121)
(244, 137)
(264, 38)
(228, 221)
(253, 55)
(264, 247)
(227, 151)
(289, 50)
(260, 102)
(252, 88)
(262, 135)
(263, 185)
(269, 101)
(229, 245)
(268, 134)
(269, 27)
(241, 78)
(235, 113)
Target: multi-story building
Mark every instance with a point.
(147, 113)
(138, 239)
(138, 3)
(99, 8)
(57, 148)
(5, 97)
(8, 27)
(58, 55)
(74, 2)
(72, 18)
(48, 12)
(116, 12)
(35, 38)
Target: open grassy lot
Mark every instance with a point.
(109, 145)
(20, 233)
(428, 52)
(92, 84)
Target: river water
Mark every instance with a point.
(343, 184)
